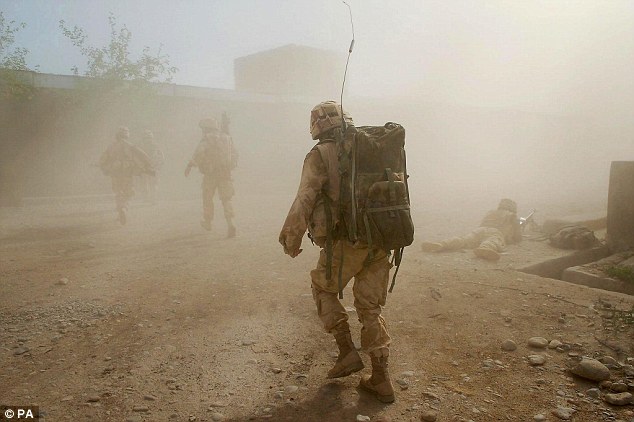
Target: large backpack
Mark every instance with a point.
(574, 237)
(374, 205)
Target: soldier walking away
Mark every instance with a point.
(121, 161)
(215, 158)
(498, 228)
(313, 208)
(149, 182)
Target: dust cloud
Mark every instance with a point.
(159, 319)
(526, 100)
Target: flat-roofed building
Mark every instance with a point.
(291, 70)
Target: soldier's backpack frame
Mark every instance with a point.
(374, 201)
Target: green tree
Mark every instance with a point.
(12, 59)
(112, 64)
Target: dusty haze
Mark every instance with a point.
(162, 320)
(506, 98)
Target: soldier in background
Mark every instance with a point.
(149, 182)
(224, 123)
(121, 161)
(498, 228)
(215, 158)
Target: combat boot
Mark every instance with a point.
(206, 224)
(486, 253)
(348, 360)
(379, 382)
(122, 216)
(231, 232)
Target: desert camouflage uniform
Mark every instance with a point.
(498, 228)
(318, 190)
(371, 280)
(149, 182)
(216, 157)
(121, 161)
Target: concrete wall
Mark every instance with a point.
(51, 142)
(290, 69)
(621, 206)
(466, 155)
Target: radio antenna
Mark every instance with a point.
(343, 121)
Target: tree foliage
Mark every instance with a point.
(114, 62)
(13, 58)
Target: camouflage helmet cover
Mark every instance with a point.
(325, 116)
(122, 132)
(208, 124)
(508, 204)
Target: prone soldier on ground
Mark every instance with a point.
(498, 228)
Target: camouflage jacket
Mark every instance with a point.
(506, 222)
(319, 177)
(154, 153)
(121, 158)
(216, 156)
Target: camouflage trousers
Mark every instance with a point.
(482, 237)
(123, 189)
(369, 290)
(225, 192)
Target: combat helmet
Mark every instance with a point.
(508, 205)
(325, 116)
(209, 124)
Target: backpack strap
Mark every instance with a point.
(398, 253)
(340, 274)
(368, 233)
(328, 211)
(343, 160)
(329, 229)
(396, 260)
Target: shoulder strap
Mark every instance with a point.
(396, 260)
(328, 152)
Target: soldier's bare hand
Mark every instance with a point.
(290, 245)
(188, 169)
(293, 253)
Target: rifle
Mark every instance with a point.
(524, 221)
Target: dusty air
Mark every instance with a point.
(317, 211)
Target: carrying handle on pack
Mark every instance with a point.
(389, 175)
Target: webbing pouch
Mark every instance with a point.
(387, 218)
(329, 233)
(390, 227)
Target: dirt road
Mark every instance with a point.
(162, 321)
